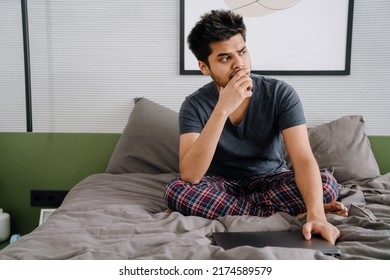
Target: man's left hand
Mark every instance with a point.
(326, 229)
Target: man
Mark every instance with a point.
(232, 132)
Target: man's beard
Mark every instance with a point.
(220, 82)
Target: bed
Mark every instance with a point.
(120, 214)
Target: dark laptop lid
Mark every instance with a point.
(289, 239)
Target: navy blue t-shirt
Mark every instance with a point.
(253, 147)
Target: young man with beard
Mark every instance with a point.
(232, 132)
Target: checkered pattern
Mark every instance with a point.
(263, 196)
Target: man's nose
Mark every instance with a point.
(238, 62)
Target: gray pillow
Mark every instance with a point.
(343, 144)
(150, 144)
(150, 141)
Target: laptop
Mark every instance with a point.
(289, 239)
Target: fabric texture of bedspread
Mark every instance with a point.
(122, 216)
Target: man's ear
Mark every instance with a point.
(203, 68)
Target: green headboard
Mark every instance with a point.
(46, 161)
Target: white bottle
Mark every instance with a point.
(5, 226)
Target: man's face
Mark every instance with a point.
(226, 58)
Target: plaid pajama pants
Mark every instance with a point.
(261, 196)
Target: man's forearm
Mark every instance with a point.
(308, 179)
(197, 159)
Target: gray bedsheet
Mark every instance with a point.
(122, 216)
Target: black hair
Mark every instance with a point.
(214, 26)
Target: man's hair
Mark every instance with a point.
(215, 26)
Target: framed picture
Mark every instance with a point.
(45, 214)
(284, 37)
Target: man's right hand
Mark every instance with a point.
(235, 92)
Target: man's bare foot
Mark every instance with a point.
(300, 216)
(337, 208)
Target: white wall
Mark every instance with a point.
(90, 58)
(12, 98)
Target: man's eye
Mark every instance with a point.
(224, 58)
(242, 52)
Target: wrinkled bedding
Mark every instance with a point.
(122, 216)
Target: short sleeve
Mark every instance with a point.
(290, 109)
(189, 120)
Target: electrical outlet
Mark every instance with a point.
(47, 198)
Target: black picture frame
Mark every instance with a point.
(343, 42)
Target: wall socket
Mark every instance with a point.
(46, 198)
